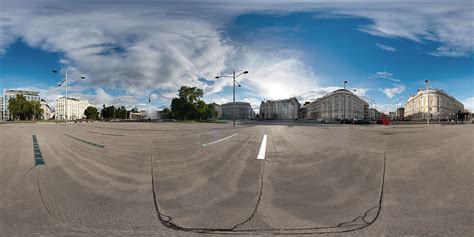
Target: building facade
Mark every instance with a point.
(1, 108)
(75, 108)
(243, 110)
(8, 94)
(440, 106)
(400, 113)
(374, 114)
(47, 112)
(331, 106)
(280, 109)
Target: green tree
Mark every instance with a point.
(91, 113)
(121, 112)
(107, 112)
(35, 109)
(22, 109)
(189, 104)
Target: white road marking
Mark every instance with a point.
(220, 140)
(263, 148)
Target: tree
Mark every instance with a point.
(91, 113)
(189, 104)
(121, 112)
(22, 109)
(107, 112)
(35, 109)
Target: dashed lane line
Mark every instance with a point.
(263, 148)
(220, 140)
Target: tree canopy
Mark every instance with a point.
(188, 105)
(91, 113)
(22, 109)
(111, 112)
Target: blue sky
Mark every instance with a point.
(133, 51)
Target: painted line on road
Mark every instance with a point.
(84, 141)
(37, 152)
(108, 134)
(263, 148)
(220, 140)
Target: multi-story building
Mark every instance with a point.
(331, 106)
(218, 109)
(1, 108)
(75, 108)
(440, 106)
(280, 109)
(400, 113)
(243, 110)
(47, 112)
(8, 94)
(374, 114)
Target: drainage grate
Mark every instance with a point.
(38, 156)
(84, 141)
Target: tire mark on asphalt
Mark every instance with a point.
(273, 231)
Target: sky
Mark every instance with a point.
(131, 51)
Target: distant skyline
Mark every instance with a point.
(133, 51)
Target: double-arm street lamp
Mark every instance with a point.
(234, 81)
(65, 99)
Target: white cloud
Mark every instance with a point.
(386, 108)
(469, 104)
(385, 75)
(138, 52)
(391, 92)
(450, 25)
(150, 51)
(385, 47)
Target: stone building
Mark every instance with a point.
(243, 110)
(331, 106)
(280, 109)
(441, 105)
(47, 112)
(400, 113)
(75, 108)
(374, 114)
(8, 94)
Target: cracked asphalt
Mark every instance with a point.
(157, 179)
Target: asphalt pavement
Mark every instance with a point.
(199, 179)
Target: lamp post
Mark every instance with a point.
(233, 97)
(65, 99)
(428, 96)
(344, 105)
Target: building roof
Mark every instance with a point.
(23, 92)
(282, 100)
(71, 98)
(237, 103)
(420, 91)
(337, 91)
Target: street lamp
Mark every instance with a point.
(59, 84)
(234, 81)
(428, 96)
